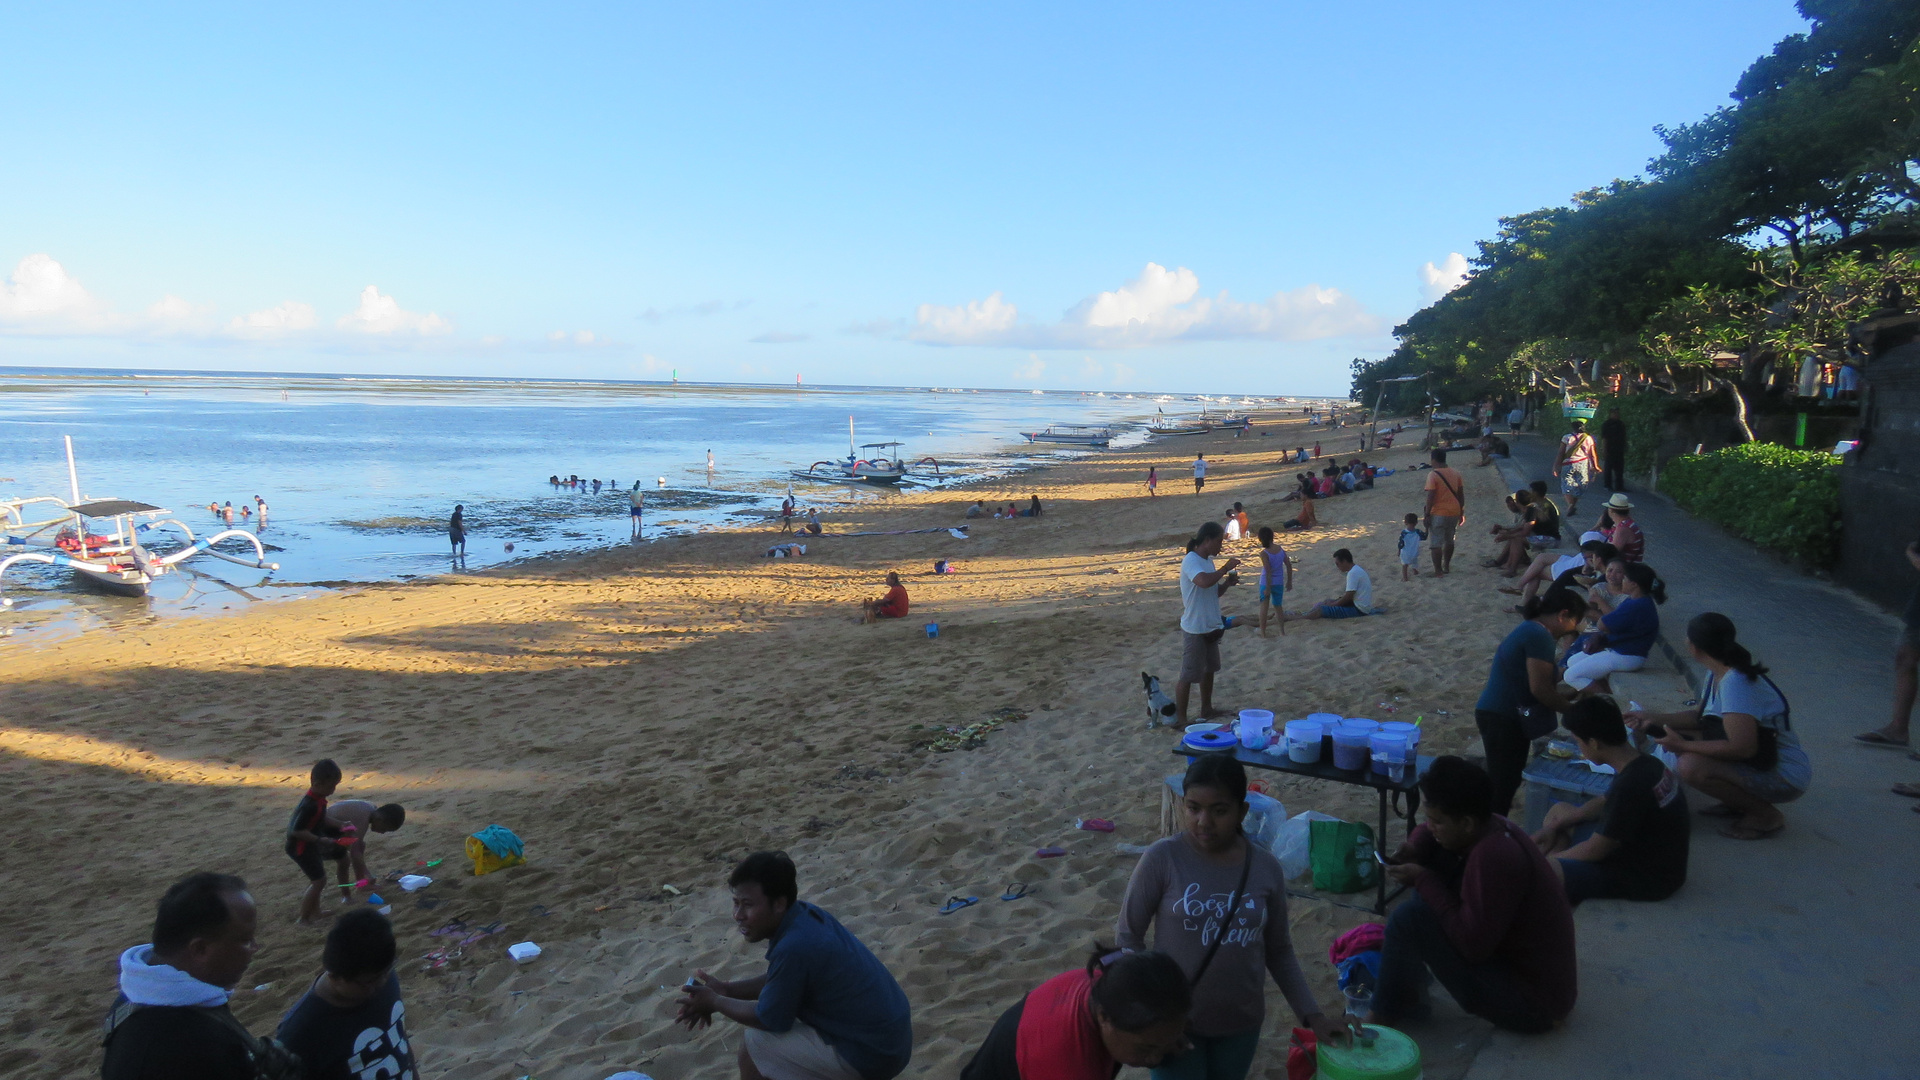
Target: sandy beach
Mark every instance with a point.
(644, 717)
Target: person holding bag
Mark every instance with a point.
(1523, 692)
(1738, 746)
(1218, 906)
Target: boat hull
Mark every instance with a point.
(1179, 431)
(121, 583)
(1071, 440)
(863, 478)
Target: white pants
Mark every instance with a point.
(1586, 668)
(799, 1053)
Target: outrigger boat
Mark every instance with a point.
(869, 463)
(1076, 434)
(116, 561)
(1164, 427)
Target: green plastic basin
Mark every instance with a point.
(1393, 1056)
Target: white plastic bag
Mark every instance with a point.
(1265, 816)
(1295, 840)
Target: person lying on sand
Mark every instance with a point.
(825, 1008)
(891, 606)
(786, 551)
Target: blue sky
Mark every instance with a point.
(1220, 197)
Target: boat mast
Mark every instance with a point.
(73, 477)
(851, 455)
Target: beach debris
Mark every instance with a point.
(955, 903)
(1050, 853)
(1130, 849)
(374, 899)
(523, 952)
(1016, 890)
(973, 736)
(539, 911)
(670, 889)
(629, 1074)
(414, 882)
(1093, 824)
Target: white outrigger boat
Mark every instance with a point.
(116, 561)
(1075, 434)
(868, 463)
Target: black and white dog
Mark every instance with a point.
(1160, 707)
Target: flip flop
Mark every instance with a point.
(1050, 853)
(955, 903)
(454, 926)
(1015, 891)
(1741, 832)
(1911, 791)
(539, 910)
(1721, 810)
(1874, 738)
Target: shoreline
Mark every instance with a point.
(643, 716)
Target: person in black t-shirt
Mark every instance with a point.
(350, 1024)
(1613, 452)
(1639, 851)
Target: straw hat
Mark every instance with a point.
(1619, 501)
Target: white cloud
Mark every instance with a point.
(378, 314)
(778, 337)
(1032, 370)
(284, 318)
(41, 295)
(1438, 281)
(1160, 305)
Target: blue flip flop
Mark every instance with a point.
(1015, 891)
(955, 903)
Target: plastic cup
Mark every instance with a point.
(1359, 1001)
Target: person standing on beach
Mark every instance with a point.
(1201, 626)
(1522, 692)
(636, 507)
(1226, 949)
(1906, 675)
(1199, 472)
(1574, 464)
(1613, 452)
(1153, 481)
(457, 531)
(1446, 511)
(825, 1009)
(351, 1022)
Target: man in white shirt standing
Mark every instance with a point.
(1199, 472)
(1356, 601)
(1201, 626)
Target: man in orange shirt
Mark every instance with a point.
(891, 606)
(1446, 511)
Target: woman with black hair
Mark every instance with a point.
(1626, 634)
(1738, 746)
(1123, 1008)
(1218, 906)
(1487, 917)
(1522, 692)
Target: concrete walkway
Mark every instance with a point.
(1791, 957)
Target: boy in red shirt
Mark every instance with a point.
(311, 839)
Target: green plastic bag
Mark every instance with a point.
(1342, 856)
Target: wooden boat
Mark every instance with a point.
(868, 463)
(1072, 434)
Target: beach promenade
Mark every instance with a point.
(1793, 956)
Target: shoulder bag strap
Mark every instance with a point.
(1233, 903)
(1457, 497)
(1786, 717)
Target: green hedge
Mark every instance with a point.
(1783, 499)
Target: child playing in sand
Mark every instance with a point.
(1410, 538)
(310, 838)
(1276, 574)
(360, 819)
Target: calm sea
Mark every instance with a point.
(361, 473)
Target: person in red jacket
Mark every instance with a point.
(891, 606)
(1488, 917)
(1123, 1008)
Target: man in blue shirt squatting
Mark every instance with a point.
(825, 1009)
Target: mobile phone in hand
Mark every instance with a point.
(1379, 858)
(1656, 731)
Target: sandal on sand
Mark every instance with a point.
(1511, 591)
(1721, 810)
(1015, 891)
(453, 927)
(1742, 832)
(1875, 738)
(955, 903)
(1911, 791)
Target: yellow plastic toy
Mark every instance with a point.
(485, 861)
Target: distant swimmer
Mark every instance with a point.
(596, 487)
(260, 505)
(662, 482)
(226, 512)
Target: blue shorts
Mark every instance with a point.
(633, 511)
(1273, 594)
(1328, 611)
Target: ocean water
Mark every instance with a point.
(360, 474)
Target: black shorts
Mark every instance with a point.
(313, 864)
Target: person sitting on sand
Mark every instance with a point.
(1122, 1009)
(978, 509)
(171, 1017)
(1487, 917)
(1033, 508)
(1639, 850)
(813, 521)
(1356, 601)
(1227, 955)
(360, 819)
(1491, 447)
(1308, 518)
(1580, 569)
(891, 606)
(351, 1023)
(1231, 524)
(1626, 634)
(1512, 539)
(825, 1008)
(1616, 520)
(1738, 745)
(311, 838)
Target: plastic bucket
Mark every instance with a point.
(1350, 750)
(1361, 723)
(1410, 732)
(1303, 740)
(1386, 1054)
(1387, 750)
(1255, 728)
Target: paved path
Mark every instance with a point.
(1793, 957)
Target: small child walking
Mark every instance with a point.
(1276, 576)
(311, 839)
(1410, 538)
(1153, 480)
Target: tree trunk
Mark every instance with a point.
(1739, 408)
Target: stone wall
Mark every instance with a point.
(1880, 483)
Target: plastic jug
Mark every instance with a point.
(1350, 749)
(1255, 728)
(1303, 740)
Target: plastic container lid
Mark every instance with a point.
(1386, 743)
(1211, 740)
(1304, 730)
(1346, 736)
(1257, 717)
(1361, 722)
(1324, 718)
(1393, 1056)
(1401, 727)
